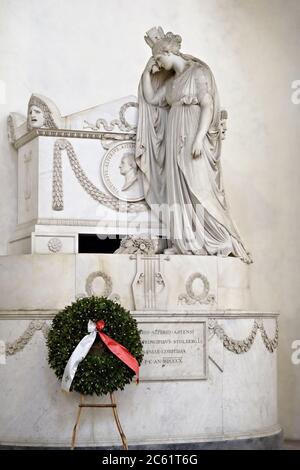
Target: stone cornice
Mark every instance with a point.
(68, 133)
(151, 315)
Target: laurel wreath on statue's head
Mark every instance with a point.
(100, 372)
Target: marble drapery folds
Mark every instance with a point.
(197, 219)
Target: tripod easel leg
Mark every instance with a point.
(77, 422)
(113, 405)
(121, 432)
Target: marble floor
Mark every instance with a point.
(291, 445)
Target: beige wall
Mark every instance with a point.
(84, 53)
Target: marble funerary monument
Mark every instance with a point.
(147, 169)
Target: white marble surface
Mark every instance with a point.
(174, 349)
(28, 171)
(109, 113)
(31, 282)
(51, 243)
(119, 268)
(252, 374)
(59, 278)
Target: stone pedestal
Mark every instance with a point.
(75, 181)
(209, 374)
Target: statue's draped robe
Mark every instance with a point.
(198, 219)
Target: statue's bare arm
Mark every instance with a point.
(206, 104)
(150, 95)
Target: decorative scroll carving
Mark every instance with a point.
(20, 343)
(149, 288)
(108, 285)
(136, 244)
(121, 123)
(74, 134)
(191, 297)
(242, 346)
(159, 279)
(87, 185)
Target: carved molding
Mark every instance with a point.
(99, 196)
(20, 343)
(242, 346)
(108, 286)
(78, 134)
(87, 222)
(191, 298)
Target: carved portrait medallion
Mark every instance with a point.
(120, 173)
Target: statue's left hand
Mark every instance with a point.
(197, 148)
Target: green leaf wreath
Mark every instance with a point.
(100, 372)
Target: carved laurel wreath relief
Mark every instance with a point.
(191, 297)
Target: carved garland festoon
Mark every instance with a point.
(20, 343)
(233, 345)
(87, 185)
(242, 346)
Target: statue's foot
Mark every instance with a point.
(201, 252)
(171, 251)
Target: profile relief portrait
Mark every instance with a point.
(128, 168)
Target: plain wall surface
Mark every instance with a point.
(81, 54)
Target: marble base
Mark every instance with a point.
(209, 373)
(159, 282)
(236, 400)
(272, 442)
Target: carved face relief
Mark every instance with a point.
(36, 117)
(223, 125)
(165, 60)
(125, 166)
(128, 169)
(120, 173)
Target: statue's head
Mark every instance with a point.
(163, 46)
(127, 163)
(42, 112)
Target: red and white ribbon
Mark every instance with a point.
(83, 347)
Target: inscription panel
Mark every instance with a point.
(174, 350)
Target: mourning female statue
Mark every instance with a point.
(178, 151)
